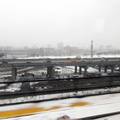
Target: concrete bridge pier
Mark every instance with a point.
(75, 69)
(85, 71)
(112, 69)
(14, 73)
(50, 72)
(99, 68)
(105, 67)
(80, 70)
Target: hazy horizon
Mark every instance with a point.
(73, 22)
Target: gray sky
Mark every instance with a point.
(73, 22)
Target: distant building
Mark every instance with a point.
(101, 48)
(60, 46)
(48, 51)
(108, 47)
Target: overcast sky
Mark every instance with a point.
(73, 22)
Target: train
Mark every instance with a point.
(57, 85)
(76, 83)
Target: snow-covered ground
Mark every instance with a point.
(73, 107)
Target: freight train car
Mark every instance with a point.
(59, 84)
(77, 83)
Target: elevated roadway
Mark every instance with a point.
(110, 63)
(62, 63)
(58, 59)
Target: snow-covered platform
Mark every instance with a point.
(74, 108)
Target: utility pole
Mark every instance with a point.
(91, 48)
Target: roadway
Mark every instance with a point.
(62, 63)
(59, 59)
(49, 64)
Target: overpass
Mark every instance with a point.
(110, 63)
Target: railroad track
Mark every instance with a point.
(33, 90)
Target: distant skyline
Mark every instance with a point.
(73, 22)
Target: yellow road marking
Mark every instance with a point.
(33, 109)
